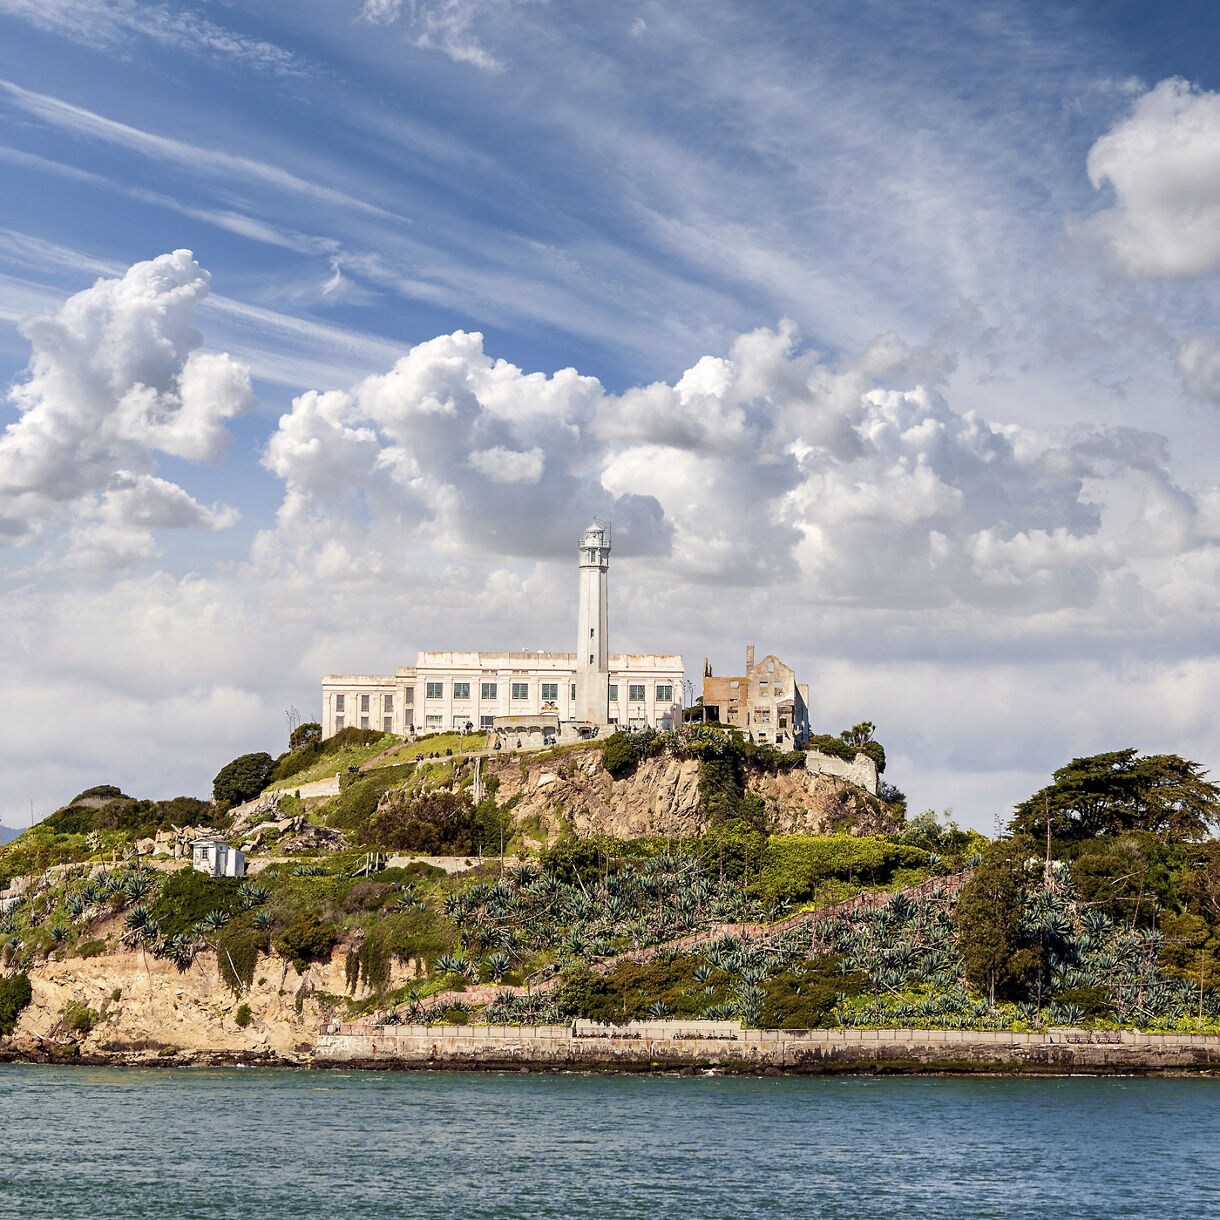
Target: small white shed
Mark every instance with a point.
(216, 858)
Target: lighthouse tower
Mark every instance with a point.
(592, 646)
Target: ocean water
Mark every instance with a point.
(113, 1142)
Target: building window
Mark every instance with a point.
(387, 703)
(387, 724)
(665, 694)
(433, 722)
(762, 717)
(364, 703)
(461, 690)
(485, 722)
(550, 692)
(460, 722)
(410, 694)
(613, 692)
(635, 694)
(521, 690)
(338, 723)
(573, 690)
(734, 684)
(364, 722)
(435, 690)
(339, 704)
(487, 690)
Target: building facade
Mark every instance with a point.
(591, 689)
(767, 703)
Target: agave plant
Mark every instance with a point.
(214, 920)
(658, 1010)
(262, 920)
(137, 884)
(138, 917)
(59, 933)
(179, 949)
(251, 895)
(75, 905)
(309, 870)
(498, 965)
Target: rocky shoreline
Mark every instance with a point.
(676, 1048)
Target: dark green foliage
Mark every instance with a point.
(242, 779)
(589, 996)
(15, 994)
(803, 997)
(238, 948)
(243, 1016)
(309, 733)
(309, 749)
(417, 934)
(721, 786)
(850, 742)
(1092, 1001)
(80, 1018)
(622, 751)
(584, 860)
(90, 948)
(794, 866)
(187, 897)
(824, 743)
(366, 895)
(306, 939)
(996, 955)
(140, 819)
(109, 791)
(1111, 794)
(433, 823)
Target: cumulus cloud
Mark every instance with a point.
(1162, 162)
(848, 483)
(115, 379)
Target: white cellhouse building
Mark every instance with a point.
(574, 691)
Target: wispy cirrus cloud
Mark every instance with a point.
(116, 23)
(195, 159)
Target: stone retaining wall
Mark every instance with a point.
(677, 1044)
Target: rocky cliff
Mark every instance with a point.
(149, 1010)
(574, 793)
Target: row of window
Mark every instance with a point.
(387, 705)
(387, 723)
(636, 692)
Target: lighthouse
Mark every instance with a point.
(592, 645)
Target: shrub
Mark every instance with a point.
(243, 1016)
(79, 1018)
(794, 865)
(432, 823)
(806, 1000)
(592, 997)
(309, 733)
(306, 939)
(104, 790)
(91, 948)
(15, 994)
(188, 897)
(242, 779)
(237, 952)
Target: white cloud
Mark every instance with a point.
(1199, 364)
(1162, 162)
(381, 12)
(115, 23)
(503, 465)
(194, 158)
(114, 379)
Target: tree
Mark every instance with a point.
(1111, 794)
(995, 954)
(242, 779)
(305, 735)
(860, 738)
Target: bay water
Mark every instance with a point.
(98, 1143)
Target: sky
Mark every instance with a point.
(885, 335)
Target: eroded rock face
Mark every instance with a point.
(147, 1003)
(575, 793)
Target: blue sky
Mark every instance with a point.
(892, 332)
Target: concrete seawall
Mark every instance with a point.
(642, 1046)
